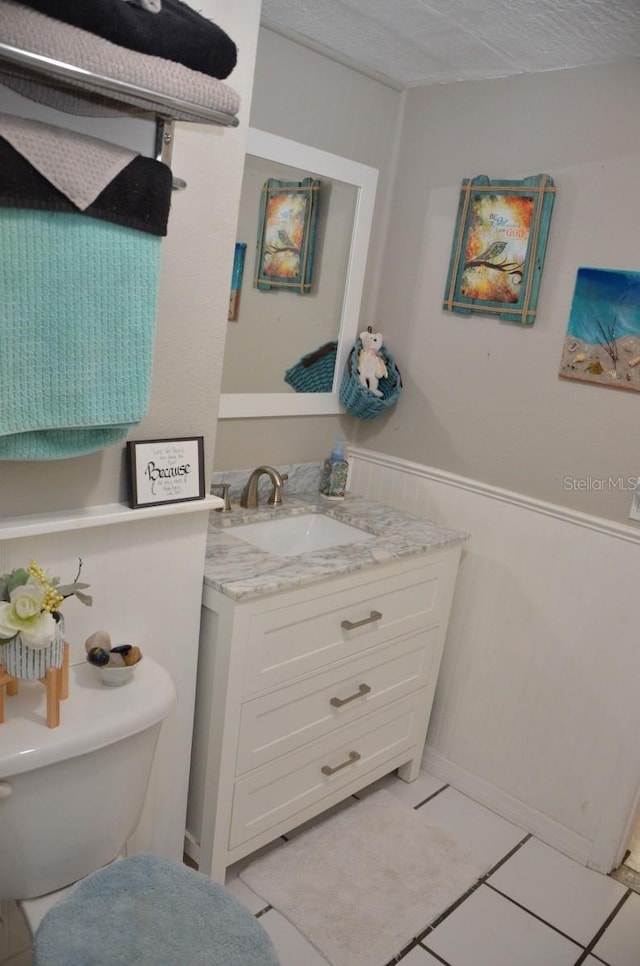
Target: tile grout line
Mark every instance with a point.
(431, 797)
(435, 956)
(601, 931)
(593, 956)
(481, 881)
(534, 915)
(586, 950)
(418, 940)
(415, 945)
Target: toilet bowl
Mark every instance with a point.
(70, 798)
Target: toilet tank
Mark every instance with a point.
(71, 796)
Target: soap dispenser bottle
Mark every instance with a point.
(333, 481)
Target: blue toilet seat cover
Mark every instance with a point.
(150, 911)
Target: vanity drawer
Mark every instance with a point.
(287, 642)
(273, 794)
(277, 723)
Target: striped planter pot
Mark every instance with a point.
(33, 662)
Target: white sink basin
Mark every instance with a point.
(292, 536)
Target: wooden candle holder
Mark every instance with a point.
(56, 681)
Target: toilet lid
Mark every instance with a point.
(150, 911)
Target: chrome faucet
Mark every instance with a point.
(249, 498)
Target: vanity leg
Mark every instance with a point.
(410, 771)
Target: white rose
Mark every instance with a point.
(22, 614)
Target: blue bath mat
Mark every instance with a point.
(149, 911)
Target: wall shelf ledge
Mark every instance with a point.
(36, 524)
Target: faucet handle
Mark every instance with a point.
(224, 488)
(276, 496)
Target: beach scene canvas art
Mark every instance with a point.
(602, 343)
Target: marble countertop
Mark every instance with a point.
(242, 571)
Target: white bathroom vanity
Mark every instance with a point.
(316, 671)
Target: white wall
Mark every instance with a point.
(536, 712)
(482, 398)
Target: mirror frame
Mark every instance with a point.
(320, 164)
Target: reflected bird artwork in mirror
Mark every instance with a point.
(286, 235)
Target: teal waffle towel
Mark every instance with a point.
(77, 323)
(148, 911)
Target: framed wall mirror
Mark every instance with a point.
(275, 327)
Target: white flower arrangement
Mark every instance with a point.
(30, 602)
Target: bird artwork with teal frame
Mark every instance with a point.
(499, 247)
(287, 235)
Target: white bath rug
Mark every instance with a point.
(363, 883)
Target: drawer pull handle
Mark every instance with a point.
(328, 770)
(339, 702)
(375, 615)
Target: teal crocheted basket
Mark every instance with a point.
(314, 372)
(360, 401)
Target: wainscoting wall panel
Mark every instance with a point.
(536, 713)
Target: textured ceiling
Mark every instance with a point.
(408, 43)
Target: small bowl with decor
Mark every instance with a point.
(114, 665)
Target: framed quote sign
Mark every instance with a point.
(165, 471)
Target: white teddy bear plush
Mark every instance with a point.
(371, 365)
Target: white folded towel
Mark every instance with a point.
(80, 167)
(33, 31)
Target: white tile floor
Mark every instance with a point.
(535, 907)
